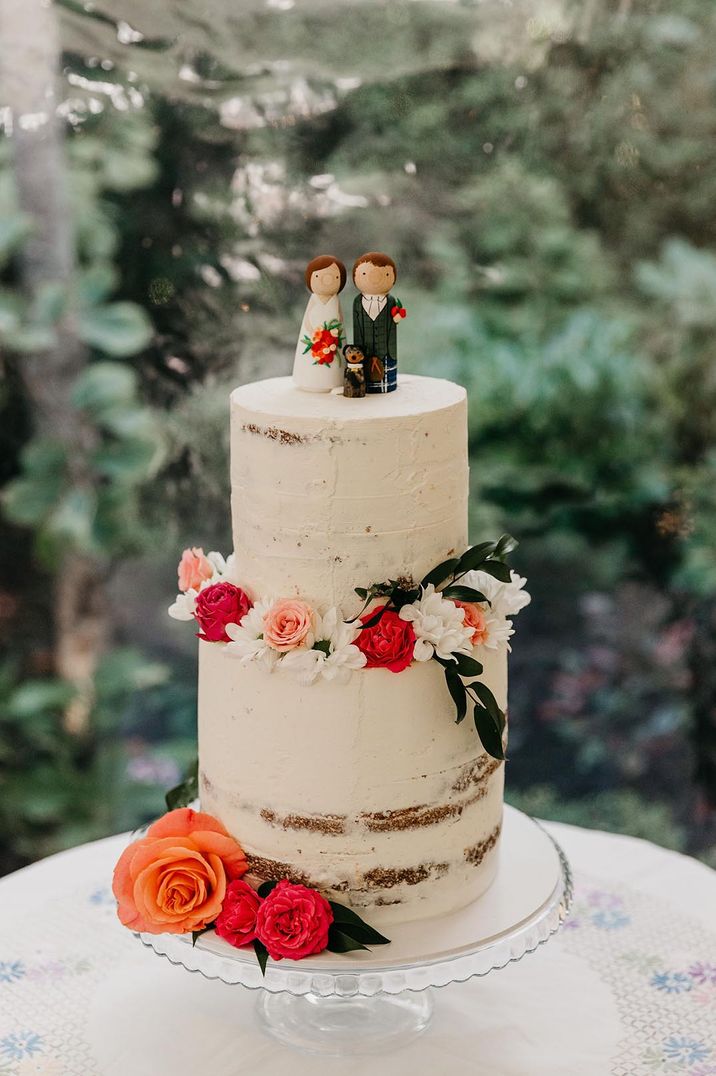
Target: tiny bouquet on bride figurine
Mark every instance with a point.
(186, 876)
(458, 611)
(325, 344)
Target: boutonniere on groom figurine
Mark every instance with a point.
(376, 313)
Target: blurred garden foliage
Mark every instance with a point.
(543, 174)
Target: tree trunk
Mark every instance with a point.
(29, 61)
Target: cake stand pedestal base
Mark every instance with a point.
(336, 1026)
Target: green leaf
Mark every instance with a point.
(474, 557)
(124, 460)
(184, 794)
(30, 338)
(96, 282)
(497, 570)
(196, 934)
(457, 690)
(261, 955)
(116, 328)
(489, 701)
(104, 385)
(265, 888)
(73, 518)
(38, 696)
(465, 594)
(351, 923)
(489, 733)
(339, 942)
(468, 666)
(400, 597)
(44, 456)
(505, 544)
(28, 500)
(437, 575)
(361, 592)
(14, 228)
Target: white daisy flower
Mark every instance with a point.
(247, 639)
(438, 626)
(506, 599)
(333, 655)
(184, 606)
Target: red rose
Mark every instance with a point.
(388, 644)
(217, 606)
(236, 922)
(293, 921)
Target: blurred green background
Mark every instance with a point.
(543, 172)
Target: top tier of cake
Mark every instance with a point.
(330, 493)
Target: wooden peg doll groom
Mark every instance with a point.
(374, 320)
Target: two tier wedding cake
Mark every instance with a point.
(353, 649)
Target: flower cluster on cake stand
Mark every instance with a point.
(367, 1002)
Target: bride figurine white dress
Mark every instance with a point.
(317, 364)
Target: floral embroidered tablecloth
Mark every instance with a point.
(627, 989)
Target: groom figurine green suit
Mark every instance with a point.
(374, 324)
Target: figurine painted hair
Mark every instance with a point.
(317, 362)
(376, 314)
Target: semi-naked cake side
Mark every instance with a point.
(366, 789)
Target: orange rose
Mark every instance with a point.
(174, 880)
(475, 619)
(193, 569)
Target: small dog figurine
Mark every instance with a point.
(354, 373)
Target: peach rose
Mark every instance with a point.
(288, 624)
(475, 619)
(193, 569)
(174, 880)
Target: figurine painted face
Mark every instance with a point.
(372, 278)
(326, 281)
(353, 355)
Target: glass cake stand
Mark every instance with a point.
(368, 1002)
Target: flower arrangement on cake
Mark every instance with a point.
(186, 876)
(464, 604)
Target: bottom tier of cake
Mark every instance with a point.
(368, 791)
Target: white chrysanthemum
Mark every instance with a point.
(247, 639)
(438, 626)
(184, 605)
(333, 655)
(506, 599)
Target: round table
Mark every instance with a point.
(627, 988)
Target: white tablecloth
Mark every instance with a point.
(628, 988)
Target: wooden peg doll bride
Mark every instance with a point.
(317, 365)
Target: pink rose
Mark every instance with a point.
(293, 921)
(475, 619)
(193, 569)
(287, 624)
(389, 644)
(217, 606)
(236, 922)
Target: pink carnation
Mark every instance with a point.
(475, 619)
(287, 624)
(193, 569)
(293, 921)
